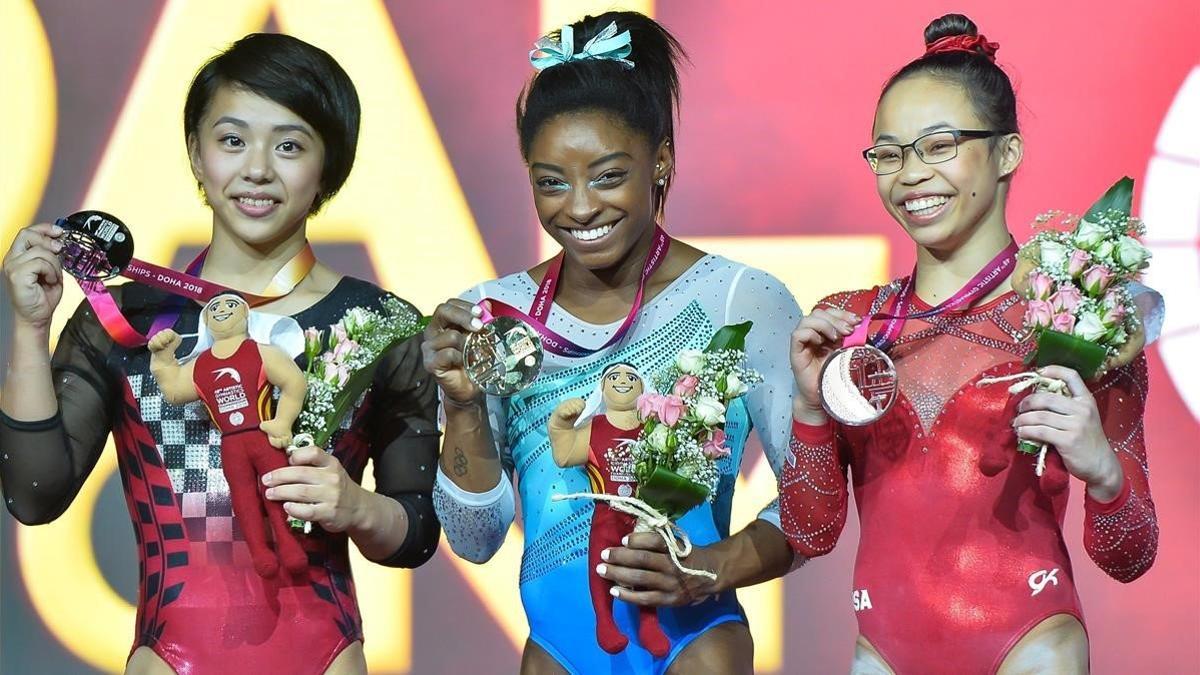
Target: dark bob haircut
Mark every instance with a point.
(297, 76)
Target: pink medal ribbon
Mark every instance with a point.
(89, 264)
(542, 302)
(981, 285)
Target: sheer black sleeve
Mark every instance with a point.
(44, 463)
(404, 446)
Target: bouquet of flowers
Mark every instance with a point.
(341, 366)
(683, 435)
(1080, 310)
(1075, 280)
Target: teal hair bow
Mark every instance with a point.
(607, 44)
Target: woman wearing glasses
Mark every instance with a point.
(962, 566)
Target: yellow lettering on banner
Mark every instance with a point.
(401, 199)
(86, 615)
(811, 266)
(556, 13)
(29, 113)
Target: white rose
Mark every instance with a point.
(1054, 255)
(1131, 254)
(1104, 250)
(709, 410)
(357, 319)
(658, 438)
(690, 361)
(1090, 327)
(734, 386)
(1089, 235)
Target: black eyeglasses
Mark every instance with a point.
(933, 148)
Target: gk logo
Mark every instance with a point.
(1042, 578)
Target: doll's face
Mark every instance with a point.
(621, 388)
(226, 316)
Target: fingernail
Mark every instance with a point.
(476, 324)
(604, 555)
(56, 229)
(476, 310)
(625, 540)
(56, 246)
(601, 569)
(270, 493)
(266, 479)
(615, 592)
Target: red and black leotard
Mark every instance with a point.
(959, 557)
(201, 606)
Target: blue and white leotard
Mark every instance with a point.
(554, 588)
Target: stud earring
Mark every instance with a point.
(662, 181)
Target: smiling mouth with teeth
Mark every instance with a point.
(592, 234)
(256, 202)
(622, 390)
(221, 317)
(925, 206)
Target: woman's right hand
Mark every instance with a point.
(442, 349)
(34, 274)
(818, 335)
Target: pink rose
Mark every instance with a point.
(1067, 299)
(343, 373)
(1040, 285)
(715, 448)
(1113, 311)
(1064, 322)
(686, 385)
(648, 406)
(1039, 314)
(312, 340)
(672, 409)
(339, 333)
(344, 349)
(1096, 280)
(1077, 262)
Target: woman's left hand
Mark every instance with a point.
(642, 572)
(316, 488)
(1072, 425)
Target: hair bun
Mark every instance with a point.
(949, 25)
(957, 33)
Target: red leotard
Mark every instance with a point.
(959, 555)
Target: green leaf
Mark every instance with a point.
(1059, 349)
(1118, 198)
(730, 337)
(670, 493)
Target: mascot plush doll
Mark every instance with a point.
(234, 379)
(594, 432)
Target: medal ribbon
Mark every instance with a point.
(542, 302)
(981, 285)
(183, 285)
